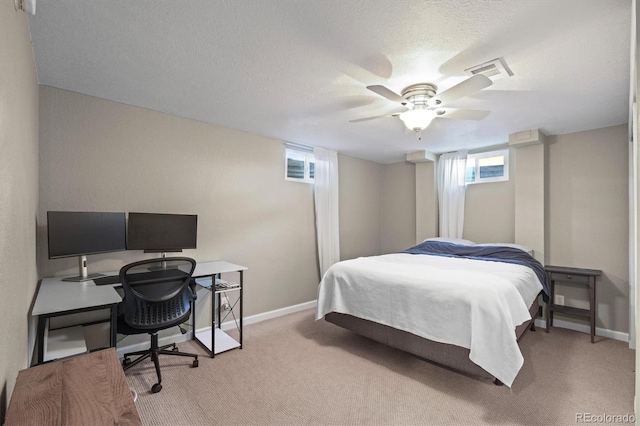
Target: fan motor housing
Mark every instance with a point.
(419, 94)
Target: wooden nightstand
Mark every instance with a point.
(577, 276)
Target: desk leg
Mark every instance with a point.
(241, 299)
(548, 314)
(592, 306)
(215, 299)
(42, 324)
(114, 326)
(193, 320)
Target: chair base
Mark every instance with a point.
(154, 353)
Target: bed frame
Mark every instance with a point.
(450, 356)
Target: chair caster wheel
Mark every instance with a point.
(126, 361)
(195, 363)
(175, 348)
(156, 388)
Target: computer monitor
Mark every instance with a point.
(161, 233)
(79, 234)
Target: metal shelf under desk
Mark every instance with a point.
(215, 340)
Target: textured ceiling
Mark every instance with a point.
(296, 70)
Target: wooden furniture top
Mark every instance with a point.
(88, 389)
(574, 271)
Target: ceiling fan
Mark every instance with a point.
(421, 103)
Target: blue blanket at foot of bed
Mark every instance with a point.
(488, 253)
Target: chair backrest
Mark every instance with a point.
(156, 292)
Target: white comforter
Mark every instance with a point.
(470, 303)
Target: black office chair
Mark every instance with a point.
(158, 294)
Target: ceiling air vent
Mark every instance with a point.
(495, 70)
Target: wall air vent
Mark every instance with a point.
(495, 69)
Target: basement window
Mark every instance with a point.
(299, 164)
(492, 166)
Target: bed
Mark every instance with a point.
(463, 306)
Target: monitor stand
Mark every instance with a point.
(84, 275)
(163, 254)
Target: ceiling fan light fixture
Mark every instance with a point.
(417, 119)
(419, 101)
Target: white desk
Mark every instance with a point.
(209, 269)
(56, 297)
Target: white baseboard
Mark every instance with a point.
(610, 334)
(229, 325)
(271, 314)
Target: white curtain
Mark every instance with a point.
(451, 188)
(326, 201)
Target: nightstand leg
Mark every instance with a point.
(546, 317)
(549, 313)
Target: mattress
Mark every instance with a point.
(443, 354)
(469, 303)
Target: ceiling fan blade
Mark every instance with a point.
(389, 94)
(467, 87)
(462, 114)
(388, 114)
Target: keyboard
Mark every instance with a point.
(141, 278)
(108, 280)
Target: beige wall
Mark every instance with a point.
(18, 192)
(531, 198)
(398, 229)
(104, 156)
(377, 207)
(360, 187)
(426, 201)
(588, 209)
(490, 209)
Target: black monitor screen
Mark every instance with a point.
(82, 233)
(161, 232)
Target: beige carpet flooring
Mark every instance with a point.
(297, 371)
